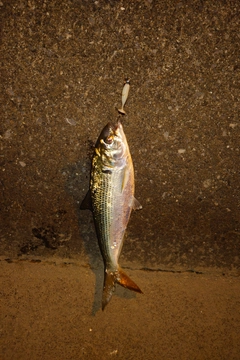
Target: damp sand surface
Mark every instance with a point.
(52, 310)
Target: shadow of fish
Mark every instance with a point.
(111, 199)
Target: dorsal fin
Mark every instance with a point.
(87, 202)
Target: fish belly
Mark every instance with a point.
(111, 210)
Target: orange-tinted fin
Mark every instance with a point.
(113, 277)
(124, 280)
(87, 202)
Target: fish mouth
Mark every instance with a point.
(115, 127)
(112, 132)
(111, 129)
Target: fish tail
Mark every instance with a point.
(124, 280)
(109, 287)
(113, 277)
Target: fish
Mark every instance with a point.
(125, 93)
(111, 199)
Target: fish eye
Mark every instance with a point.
(109, 140)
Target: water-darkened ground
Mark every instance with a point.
(63, 68)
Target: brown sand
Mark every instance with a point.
(51, 310)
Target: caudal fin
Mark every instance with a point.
(108, 288)
(113, 277)
(124, 280)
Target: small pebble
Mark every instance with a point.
(181, 151)
(207, 183)
(71, 121)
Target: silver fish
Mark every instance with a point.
(111, 199)
(125, 92)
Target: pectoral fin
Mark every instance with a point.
(125, 177)
(87, 202)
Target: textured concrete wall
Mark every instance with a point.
(63, 68)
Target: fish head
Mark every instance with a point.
(112, 145)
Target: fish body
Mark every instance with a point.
(125, 92)
(112, 200)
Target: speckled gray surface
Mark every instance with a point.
(63, 65)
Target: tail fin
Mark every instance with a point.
(111, 278)
(124, 280)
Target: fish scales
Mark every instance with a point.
(109, 218)
(112, 199)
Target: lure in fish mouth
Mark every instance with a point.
(111, 199)
(125, 92)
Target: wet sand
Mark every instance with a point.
(52, 310)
